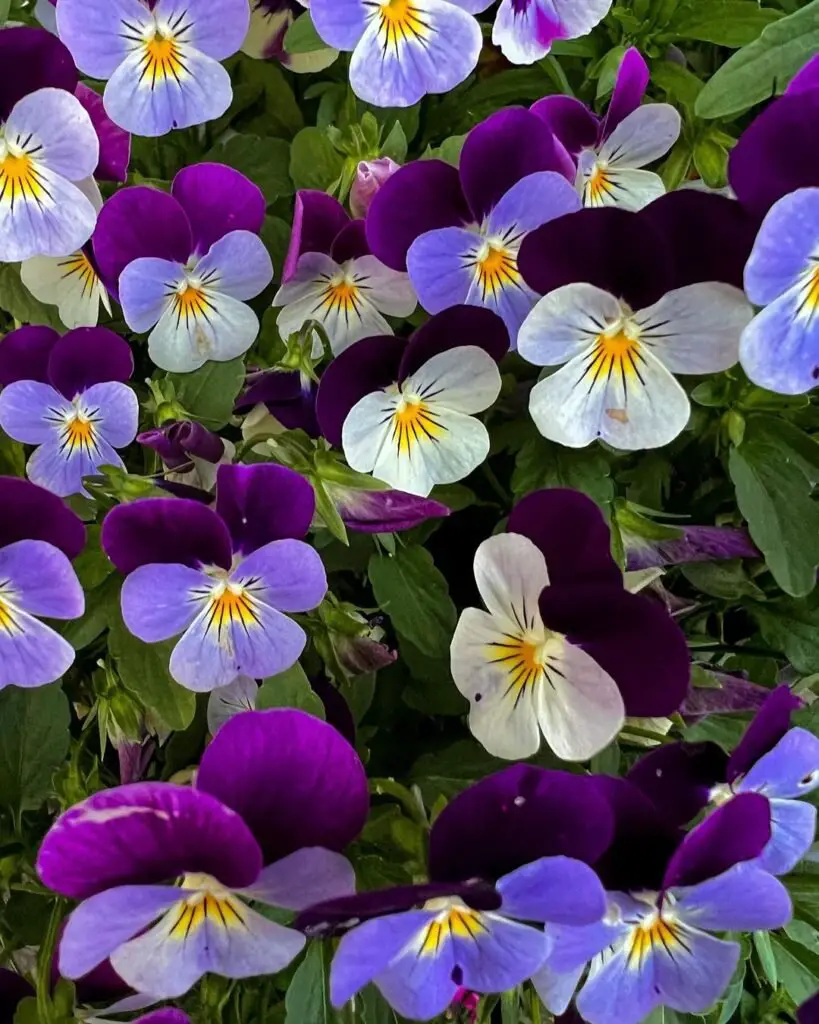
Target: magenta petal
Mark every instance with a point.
(419, 197)
(166, 1016)
(806, 78)
(87, 356)
(679, 778)
(165, 530)
(629, 89)
(292, 778)
(217, 200)
(115, 142)
(734, 694)
(454, 328)
(350, 243)
(570, 120)
(384, 511)
(24, 354)
(145, 833)
(514, 817)
(29, 512)
(737, 831)
(31, 59)
(262, 503)
(770, 724)
(695, 544)
(136, 222)
(317, 220)
(366, 366)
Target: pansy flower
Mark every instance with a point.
(38, 537)
(224, 579)
(611, 151)
(402, 49)
(513, 848)
(186, 263)
(331, 276)
(772, 759)
(160, 57)
(405, 411)
(269, 23)
(277, 400)
(191, 453)
(563, 648)
(165, 874)
(622, 329)
(655, 945)
(526, 29)
(67, 396)
(458, 232)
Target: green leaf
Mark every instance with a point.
(711, 161)
(395, 145)
(678, 82)
(415, 595)
(726, 580)
(279, 112)
(733, 995)
(306, 1000)
(791, 627)
(797, 967)
(5, 7)
(290, 689)
(541, 463)
(302, 37)
(763, 68)
(374, 1007)
(762, 944)
(265, 161)
(314, 161)
(208, 393)
(730, 23)
(34, 740)
(19, 303)
(100, 604)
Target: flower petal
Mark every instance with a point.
(643, 136)
(67, 143)
(456, 327)
(41, 579)
(31, 653)
(317, 220)
(218, 328)
(115, 144)
(553, 889)
(789, 770)
(218, 200)
(793, 830)
(89, 356)
(93, 32)
(25, 410)
(28, 512)
(741, 899)
(226, 702)
(157, 602)
(629, 88)
(32, 59)
(286, 574)
(779, 349)
(340, 23)
(263, 503)
(565, 322)
(237, 265)
(219, 33)
(307, 876)
(784, 247)
(24, 354)
(70, 283)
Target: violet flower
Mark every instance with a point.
(526, 29)
(160, 57)
(269, 23)
(458, 231)
(186, 263)
(191, 453)
(808, 1012)
(331, 276)
(38, 537)
(612, 150)
(67, 396)
(383, 511)
(563, 648)
(164, 873)
(692, 544)
(404, 411)
(223, 578)
(280, 399)
(772, 759)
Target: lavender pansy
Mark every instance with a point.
(224, 579)
(38, 537)
(67, 396)
(406, 411)
(331, 276)
(185, 264)
(165, 874)
(161, 59)
(526, 29)
(265, 39)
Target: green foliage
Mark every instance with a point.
(33, 744)
(208, 394)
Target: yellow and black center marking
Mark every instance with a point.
(9, 623)
(78, 433)
(809, 292)
(455, 923)
(654, 934)
(80, 266)
(222, 911)
(495, 270)
(340, 297)
(230, 605)
(21, 181)
(399, 22)
(161, 49)
(413, 422)
(616, 354)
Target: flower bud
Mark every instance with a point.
(370, 175)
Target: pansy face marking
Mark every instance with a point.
(20, 178)
(455, 921)
(655, 932)
(210, 903)
(413, 422)
(399, 22)
(495, 264)
(161, 44)
(77, 430)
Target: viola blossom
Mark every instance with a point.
(563, 648)
(382, 511)
(331, 276)
(269, 23)
(650, 544)
(772, 759)
(39, 536)
(655, 945)
(611, 151)
(526, 29)
(370, 175)
(224, 579)
(191, 453)
(161, 59)
(513, 848)
(458, 231)
(278, 794)
(625, 331)
(185, 264)
(402, 49)
(405, 411)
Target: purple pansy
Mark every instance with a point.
(269, 23)
(185, 264)
(67, 396)
(513, 848)
(808, 1012)
(563, 648)
(331, 276)
(38, 537)
(772, 759)
(191, 453)
(387, 511)
(526, 29)
(612, 150)
(223, 578)
(458, 232)
(280, 400)
(164, 873)
(160, 58)
(404, 411)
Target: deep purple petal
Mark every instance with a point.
(293, 778)
(733, 694)
(419, 197)
(737, 831)
(32, 59)
(771, 723)
(115, 142)
(176, 442)
(29, 512)
(679, 778)
(263, 502)
(364, 367)
(804, 79)
(629, 89)
(514, 817)
(695, 544)
(167, 530)
(384, 511)
(337, 710)
(88, 356)
(350, 243)
(631, 637)
(146, 833)
(24, 354)
(317, 221)
(570, 120)
(217, 199)
(573, 535)
(289, 397)
(13, 990)
(167, 1016)
(453, 328)
(137, 222)
(611, 248)
(808, 1012)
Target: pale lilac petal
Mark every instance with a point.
(60, 468)
(784, 247)
(340, 23)
(59, 224)
(695, 977)
(310, 875)
(790, 769)
(614, 984)
(441, 266)
(779, 349)
(217, 30)
(115, 409)
(504, 955)
(238, 265)
(143, 290)
(226, 702)
(24, 410)
(69, 146)
(558, 889)
(793, 829)
(222, 329)
(741, 899)
(157, 600)
(93, 32)
(41, 580)
(288, 574)
(31, 653)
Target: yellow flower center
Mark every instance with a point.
(809, 293)
(189, 301)
(230, 605)
(161, 59)
(412, 422)
(340, 296)
(20, 179)
(400, 21)
(80, 266)
(654, 933)
(211, 903)
(455, 921)
(598, 188)
(8, 621)
(496, 268)
(78, 432)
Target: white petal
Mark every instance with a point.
(184, 344)
(390, 291)
(565, 322)
(644, 136)
(511, 572)
(464, 379)
(225, 702)
(70, 284)
(621, 186)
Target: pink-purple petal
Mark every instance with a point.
(679, 777)
(88, 356)
(115, 142)
(629, 89)
(317, 221)
(571, 121)
(24, 354)
(351, 242)
(384, 511)
(263, 503)
(217, 199)
(28, 512)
